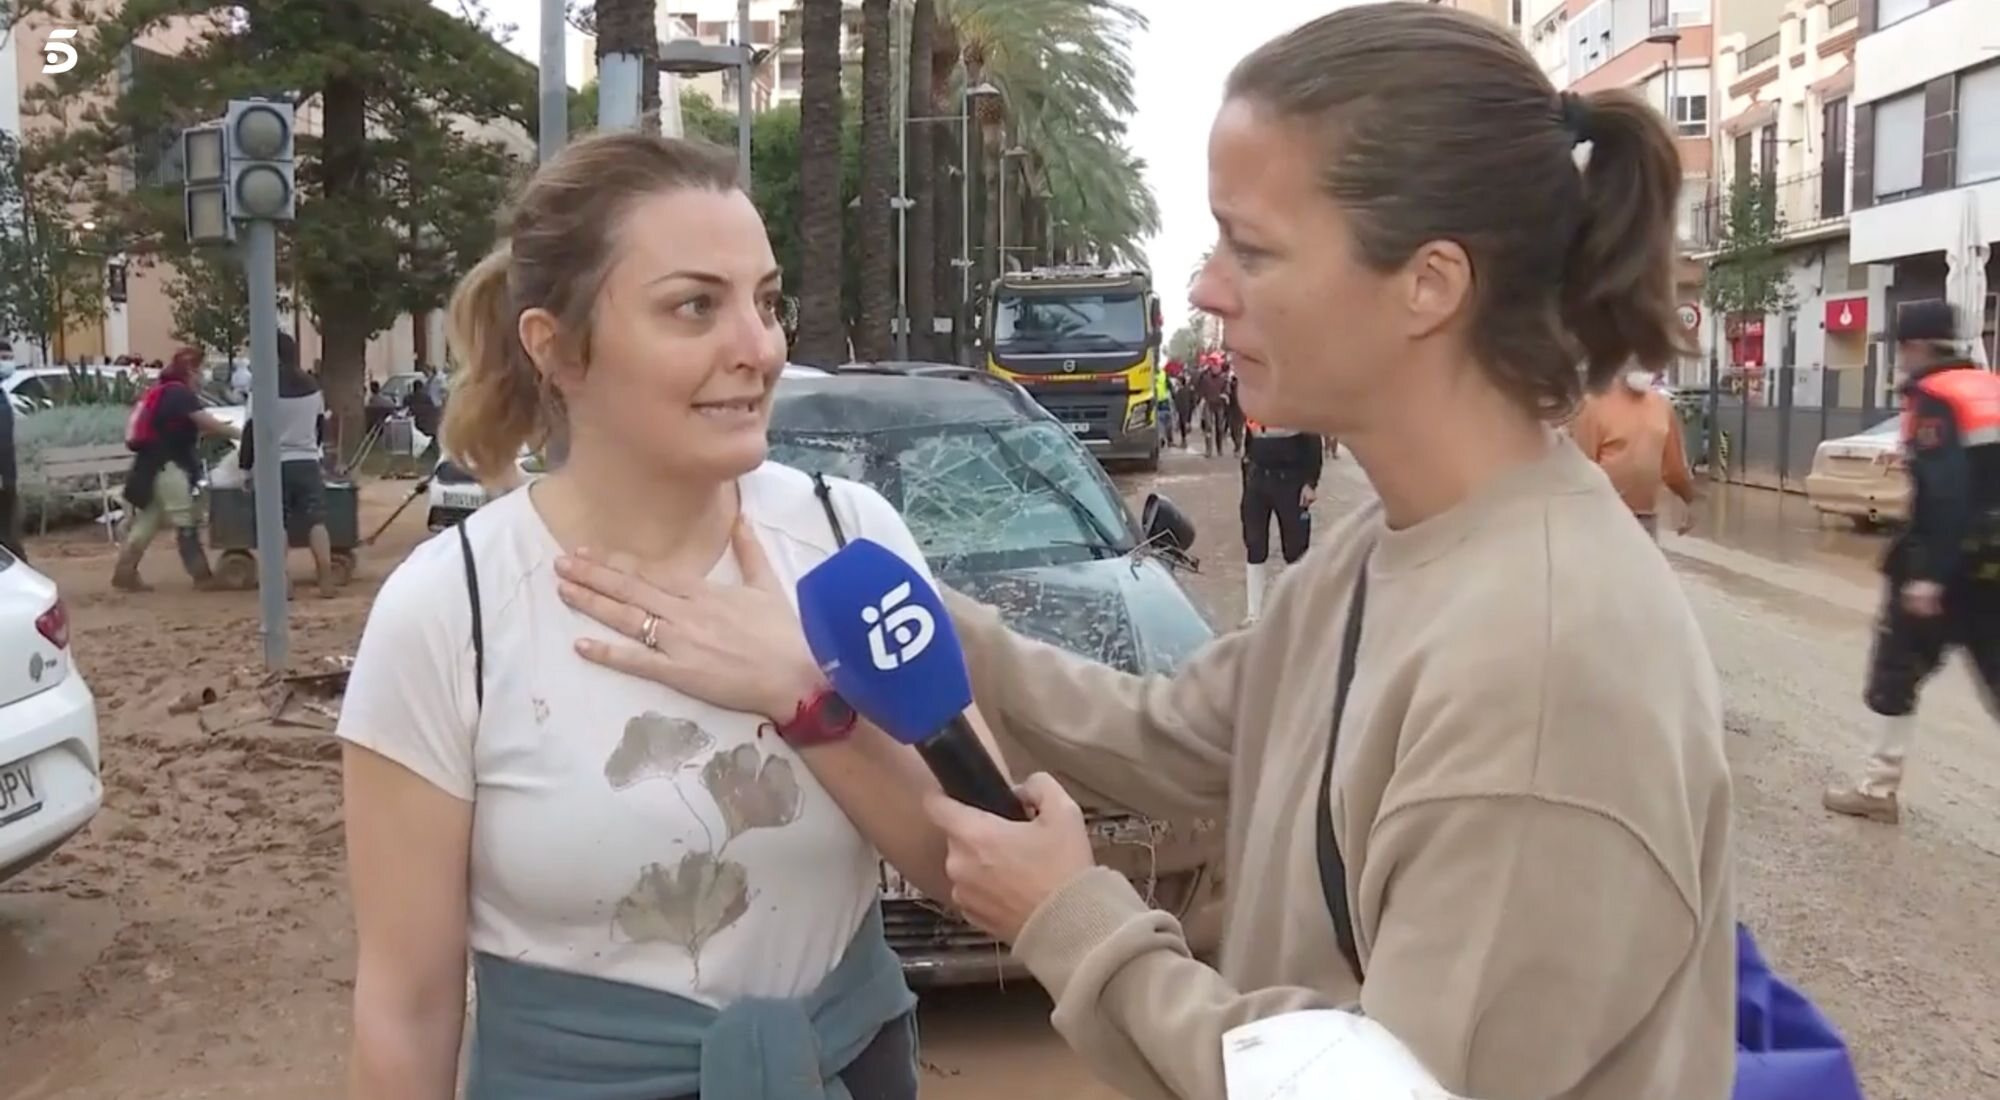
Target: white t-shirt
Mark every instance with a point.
(298, 426)
(623, 830)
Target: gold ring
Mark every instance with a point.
(649, 632)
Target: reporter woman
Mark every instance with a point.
(1528, 840)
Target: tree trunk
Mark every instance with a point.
(920, 244)
(628, 27)
(947, 279)
(344, 309)
(986, 173)
(822, 333)
(878, 164)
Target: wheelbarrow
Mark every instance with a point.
(232, 529)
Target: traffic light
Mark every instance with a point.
(205, 198)
(260, 159)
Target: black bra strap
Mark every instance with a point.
(478, 625)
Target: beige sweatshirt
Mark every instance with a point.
(1530, 794)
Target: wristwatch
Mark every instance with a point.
(822, 718)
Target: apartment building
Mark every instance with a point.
(1660, 49)
(141, 322)
(1926, 120)
(1784, 84)
(773, 26)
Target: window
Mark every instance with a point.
(1688, 12)
(1589, 39)
(1899, 145)
(1895, 11)
(1691, 114)
(1833, 159)
(1979, 125)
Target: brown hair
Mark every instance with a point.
(556, 246)
(1439, 126)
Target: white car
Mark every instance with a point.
(49, 784)
(30, 389)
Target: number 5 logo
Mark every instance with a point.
(58, 56)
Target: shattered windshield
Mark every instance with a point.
(978, 495)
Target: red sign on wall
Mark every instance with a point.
(1847, 315)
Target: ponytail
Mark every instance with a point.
(496, 404)
(1618, 279)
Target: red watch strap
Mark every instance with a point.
(821, 718)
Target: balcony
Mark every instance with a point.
(1760, 52)
(1808, 205)
(1842, 12)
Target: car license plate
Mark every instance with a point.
(1078, 429)
(19, 797)
(468, 501)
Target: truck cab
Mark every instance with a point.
(1085, 343)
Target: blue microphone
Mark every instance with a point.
(882, 637)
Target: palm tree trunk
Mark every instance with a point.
(626, 27)
(920, 243)
(878, 154)
(822, 340)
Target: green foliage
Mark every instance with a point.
(62, 426)
(1748, 273)
(398, 181)
(92, 387)
(1184, 344)
(211, 301)
(51, 276)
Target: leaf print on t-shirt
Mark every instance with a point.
(654, 747)
(754, 791)
(685, 905)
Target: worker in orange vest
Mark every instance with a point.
(1944, 570)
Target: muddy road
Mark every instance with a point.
(194, 941)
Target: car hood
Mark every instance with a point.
(1129, 613)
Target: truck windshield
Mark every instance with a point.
(1081, 322)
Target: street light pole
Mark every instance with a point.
(554, 83)
(747, 74)
(902, 51)
(963, 323)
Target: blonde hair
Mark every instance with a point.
(556, 246)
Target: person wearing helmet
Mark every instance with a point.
(1944, 570)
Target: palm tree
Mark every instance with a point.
(822, 338)
(1065, 72)
(876, 243)
(920, 245)
(627, 27)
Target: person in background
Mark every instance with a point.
(1232, 395)
(379, 406)
(1631, 431)
(1163, 406)
(240, 381)
(166, 424)
(424, 417)
(1943, 570)
(1212, 401)
(301, 433)
(1281, 469)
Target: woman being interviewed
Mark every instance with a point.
(659, 902)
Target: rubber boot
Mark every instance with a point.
(125, 574)
(194, 559)
(1254, 580)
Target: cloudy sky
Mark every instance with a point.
(1181, 62)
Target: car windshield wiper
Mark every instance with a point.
(1102, 543)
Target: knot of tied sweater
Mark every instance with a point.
(767, 1049)
(547, 1034)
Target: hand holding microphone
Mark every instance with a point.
(884, 641)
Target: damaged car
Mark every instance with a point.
(1012, 510)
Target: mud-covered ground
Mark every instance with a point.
(194, 941)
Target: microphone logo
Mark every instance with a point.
(909, 626)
